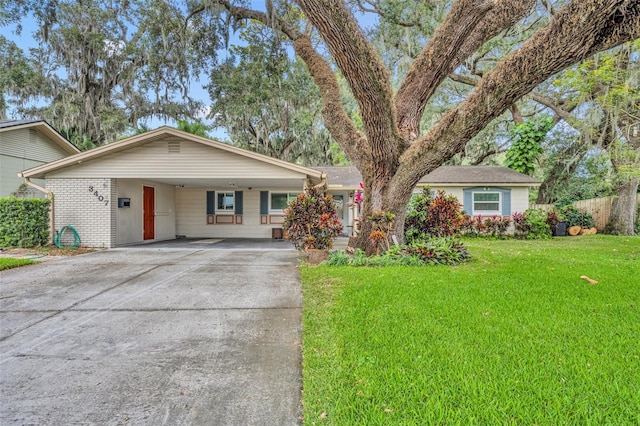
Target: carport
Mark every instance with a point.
(166, 183)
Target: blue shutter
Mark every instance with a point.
(238, 201)
(467, 201)
(506, 202)
(211, 202)
(264, 202)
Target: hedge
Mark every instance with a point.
(24, 222)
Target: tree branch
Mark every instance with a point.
(577, 31)
(365, 73)
(466, 27)
(352, 141)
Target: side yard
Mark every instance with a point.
(513, 337)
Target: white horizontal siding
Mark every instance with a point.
(191, 216)
(153, 160)
(30, 144)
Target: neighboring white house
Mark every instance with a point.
(25, 144)
(483, 190)
(167, 183)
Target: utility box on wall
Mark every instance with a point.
(124, 202)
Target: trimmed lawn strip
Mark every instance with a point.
(513, 337)
(9, 262)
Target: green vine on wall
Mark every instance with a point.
(527, 145)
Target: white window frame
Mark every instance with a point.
(290, 196)
(486, 212)
(224, 195)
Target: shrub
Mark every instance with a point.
(24, 222)
(486, 226)
(311, 220)
(532, 225)
(433, 216)
(433, 251)
(577, 217)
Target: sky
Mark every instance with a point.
(25, 41)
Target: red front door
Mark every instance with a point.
(149, 212)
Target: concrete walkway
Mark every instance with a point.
(163, 335)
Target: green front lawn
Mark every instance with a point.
(9, 262)
(513, 337)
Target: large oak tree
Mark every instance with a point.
(391, 150)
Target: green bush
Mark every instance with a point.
(577, 217)
(532, 225)
(24, 222)
(433, 251)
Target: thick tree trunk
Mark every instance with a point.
(623, 210)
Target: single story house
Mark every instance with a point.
(167, 183)
(25, 144)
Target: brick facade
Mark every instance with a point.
(90, 206)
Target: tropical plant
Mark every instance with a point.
(531, 225)
(429, 252)
(428, 215)
(311, 220)
(486, 226)
(382, 224)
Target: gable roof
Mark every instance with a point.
(468, 175)
(159, 134)
(341, 177)
(348, 177)
(43, 127)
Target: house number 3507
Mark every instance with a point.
(98, 196)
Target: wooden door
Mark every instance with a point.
(148, 212)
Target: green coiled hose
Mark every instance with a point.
(58, 237)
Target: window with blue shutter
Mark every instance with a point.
(264, 202)
(211, 202)
(239, 206)
(487, 201)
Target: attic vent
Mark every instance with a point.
(173, 147)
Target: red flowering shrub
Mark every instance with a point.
(486, 226)
(311, 220)
(433, 216)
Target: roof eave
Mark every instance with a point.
(49, 131)
(159, 134)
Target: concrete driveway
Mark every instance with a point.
(198, 334)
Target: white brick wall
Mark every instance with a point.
(89, 205)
